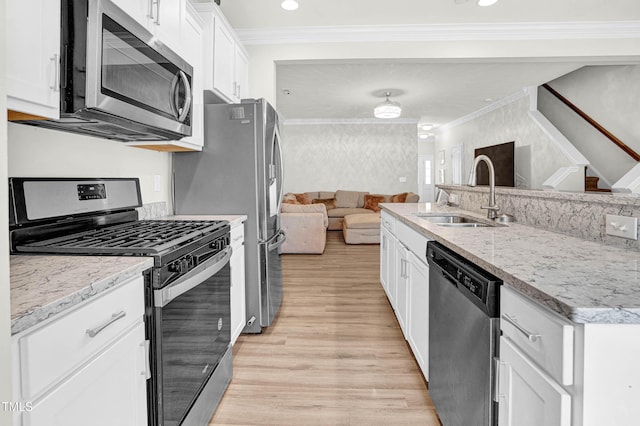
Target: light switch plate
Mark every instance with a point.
(622, 226)
(402, 179)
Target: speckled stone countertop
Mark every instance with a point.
(43, 286)
(584, 281)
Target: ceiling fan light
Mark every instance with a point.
(387, 109)
(487, 2)
(289, 4)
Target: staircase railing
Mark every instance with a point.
(594, 123)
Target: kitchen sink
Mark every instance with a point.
(453, 220)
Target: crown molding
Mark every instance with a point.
(333, 121)
(443, 32)
(482, 111)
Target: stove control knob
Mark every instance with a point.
(179, 266)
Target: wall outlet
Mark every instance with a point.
(622, 226)
(402, 179)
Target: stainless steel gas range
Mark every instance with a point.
(187, 312)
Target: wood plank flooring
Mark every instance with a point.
(335, 354)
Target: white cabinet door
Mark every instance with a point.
(385, 259)
(167, 23)
(141, 11)
(192, 43)
(528, 396)
(109, 390)
(33, 57)
(238, 305)
(223, 62)
(418, 322)
(402, 291)
(241, 73)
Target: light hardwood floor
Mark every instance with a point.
(335, 354)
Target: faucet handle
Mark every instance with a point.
(493, 208)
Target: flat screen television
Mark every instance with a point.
(503, 158)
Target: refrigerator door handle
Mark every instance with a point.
(276, 143)
(278, 240)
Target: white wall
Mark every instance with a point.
(537, 157)
(611, 96)
(36, 152)
(363, 157)
(5, 316)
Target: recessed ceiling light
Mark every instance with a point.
(289, 4)
(486, 2)
(426, 126)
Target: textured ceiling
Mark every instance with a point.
(439, 92)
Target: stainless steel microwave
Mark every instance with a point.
(118, 81)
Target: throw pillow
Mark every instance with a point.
(302, 198)
(349, 199)
(289, 199)
(399, 198)
(329, 202)
(371, 202)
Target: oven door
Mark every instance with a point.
(130, 74)
(191, 334)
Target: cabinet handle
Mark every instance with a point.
(496, 379)
(157, 12)
(530, 336)
(238, 95)
(151, 3)
(56, 70)
(93, 332)
(145, 353)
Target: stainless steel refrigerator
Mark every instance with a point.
(240, 171)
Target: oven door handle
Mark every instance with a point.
(162, 297)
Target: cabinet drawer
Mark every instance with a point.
(237, 235)
(51, 352)
(413, 240)
(388, 221)
(543, 335)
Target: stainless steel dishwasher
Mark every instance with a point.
(464, 333)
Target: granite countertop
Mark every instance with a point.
(584, 281)
(43, 286)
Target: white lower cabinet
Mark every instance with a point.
(88, 365)
(238, 304)
(109, 390)
(404, 274)
(418, 320)
(557, 372)
(402, 286)
(528, 396)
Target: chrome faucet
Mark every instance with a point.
(492, 208)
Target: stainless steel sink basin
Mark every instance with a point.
(465, 225)
(453, 220)
(450, 218)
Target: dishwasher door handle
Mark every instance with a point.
(533, 338)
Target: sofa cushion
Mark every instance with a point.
(306, 208)
(343, 211)
(330, 203)
(350, 199)
(326, 194)
(313, 195)
(412, 198)
(371, 202)
(362, 221)
(399, 198)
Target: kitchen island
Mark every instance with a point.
(569, 309)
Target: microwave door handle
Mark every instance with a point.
(187, 99)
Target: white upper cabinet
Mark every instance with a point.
(33, 57)
(163, 18)
(226, 61)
